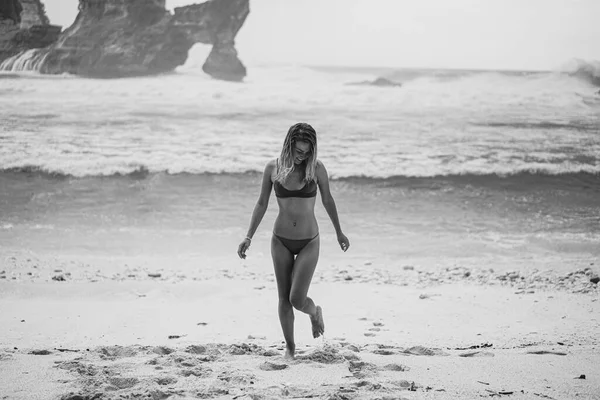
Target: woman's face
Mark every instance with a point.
(300, 151)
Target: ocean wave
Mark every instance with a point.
(588, 71)
(591, 172)
(541, 125)
(532, 178)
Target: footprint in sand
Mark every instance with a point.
(270, 353)
(83, 369)
(113, 352)
(396, 367)
(352, 348)
(123, 383)
(477, 354)
(162, 350)
(375, 328)
(350, 356)
(361, 369)
(166, 380)
(383, 352)
(539, 352)
(195, 349)
(326, 355)
(369, 386)
(424, 351)
(411, 386)
(199, 372)
(269, 366)
(256, 337)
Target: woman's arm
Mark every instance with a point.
(259, 209)
(329, 204)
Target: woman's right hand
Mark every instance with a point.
(243, 247)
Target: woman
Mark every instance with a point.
(295, 242)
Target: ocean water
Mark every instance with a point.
(452, 165)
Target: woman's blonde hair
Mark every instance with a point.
(285, 163)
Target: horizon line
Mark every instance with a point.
(471, 69)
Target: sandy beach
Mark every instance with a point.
(72, 332)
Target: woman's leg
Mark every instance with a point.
(283, 262)
(304, 268)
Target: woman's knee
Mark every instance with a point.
(297, 300)
(284, 302)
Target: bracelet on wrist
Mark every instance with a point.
(249, 238)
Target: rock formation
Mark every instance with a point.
(121, 38)
(382, 82)
(34, 13)
(10, 10)
(229, 16)
(24, 26)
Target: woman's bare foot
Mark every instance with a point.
(318, 326)
(290, 352)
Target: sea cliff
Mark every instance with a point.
(122, 38)
(24, 26)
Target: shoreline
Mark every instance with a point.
(575, 273)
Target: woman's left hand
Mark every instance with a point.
(343, 241)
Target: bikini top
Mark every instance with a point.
(308, 190)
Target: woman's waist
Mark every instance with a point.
(301, 217)
(300, 228)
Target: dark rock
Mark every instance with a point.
(40, 352)
(595, 279)
(124, 38)
(223, 63)
(34, 13)
(175, 336)
(24, 26)
(383, 82)
(11, 10)
(542, 352)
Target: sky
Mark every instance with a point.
(477, 34)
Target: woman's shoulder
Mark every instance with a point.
(320, 168)
(271, 168)
(272, 163)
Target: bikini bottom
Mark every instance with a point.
(294, 245)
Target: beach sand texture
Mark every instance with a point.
(448, 335)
